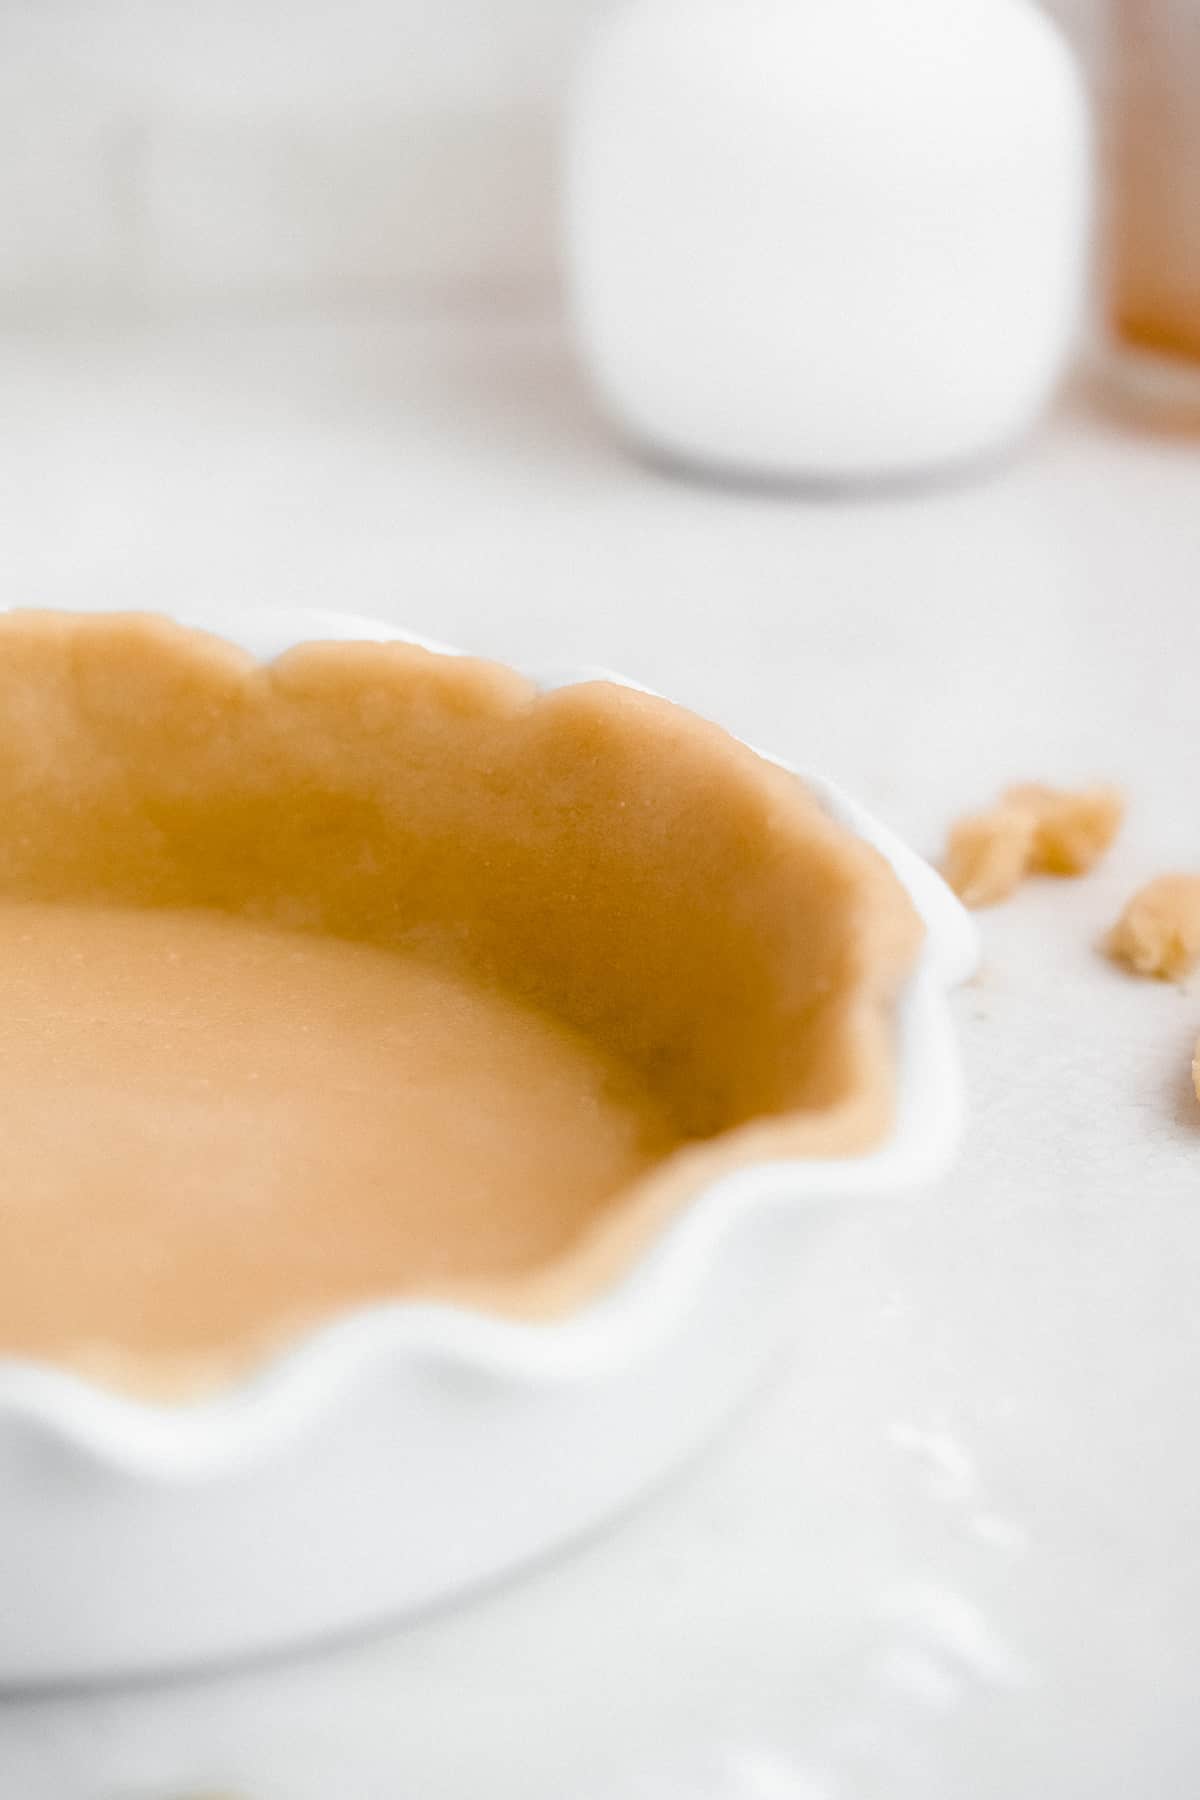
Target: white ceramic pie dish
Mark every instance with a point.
(406, 1452)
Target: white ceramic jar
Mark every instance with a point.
(826, 239)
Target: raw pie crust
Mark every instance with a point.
(374, 972)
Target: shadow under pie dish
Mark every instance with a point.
(375, 1019)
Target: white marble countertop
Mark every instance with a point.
(955, 1550)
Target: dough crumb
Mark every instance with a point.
(988, 854)
(1032, 829)
(1071, 830)
(1159, 931)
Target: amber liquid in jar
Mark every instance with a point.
(1154, 224)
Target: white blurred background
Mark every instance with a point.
(262, 154)
(254, 154)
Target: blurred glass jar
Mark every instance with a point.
(1152, 252)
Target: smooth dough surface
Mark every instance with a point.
(373, 971)
(207, 1123)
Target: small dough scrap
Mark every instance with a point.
(1159, 931)
(988, 854)
(1032, 829)
(1072, 829)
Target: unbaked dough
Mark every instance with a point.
(375, 972)
(988, 854)
(1159, 931)
(210, 1122)
(1073, 827)
(1032, 830)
